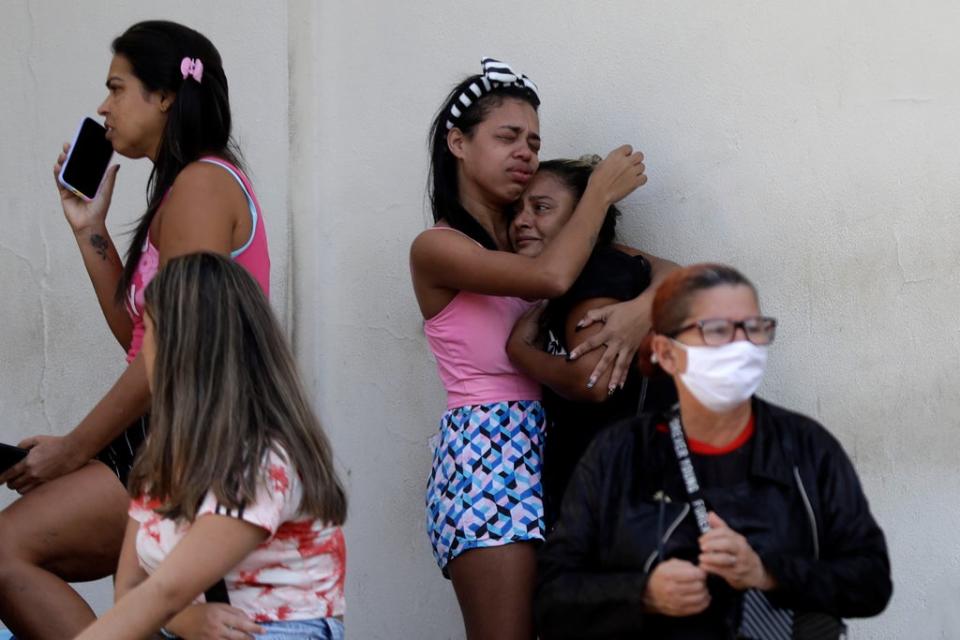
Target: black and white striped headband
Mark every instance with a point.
(495, 74)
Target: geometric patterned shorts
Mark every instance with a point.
(484, 488)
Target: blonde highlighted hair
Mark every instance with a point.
(226, 391)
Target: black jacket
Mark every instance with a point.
(803, 511)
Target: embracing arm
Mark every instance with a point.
(460, 264)
(568, 378)
(852, 576)
(624, 324)
(213, 546)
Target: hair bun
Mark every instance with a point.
(590, 159)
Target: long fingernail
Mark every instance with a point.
(611, 389)
(573, 356)
(591, 382)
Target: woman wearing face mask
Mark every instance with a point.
(726, 518)
(576, 412)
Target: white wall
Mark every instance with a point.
(814, 145)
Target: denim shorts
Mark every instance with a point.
(316, 629)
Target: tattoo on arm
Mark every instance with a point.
(100, 244)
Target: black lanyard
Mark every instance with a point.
(694, 494)
(760, 619)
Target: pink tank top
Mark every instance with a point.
(253, 255)
(468, 338)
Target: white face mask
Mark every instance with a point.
(723, 377)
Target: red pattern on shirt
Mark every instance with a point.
(295, 574)
(279, 477)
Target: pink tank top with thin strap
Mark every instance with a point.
(254, 255)
(468, 338)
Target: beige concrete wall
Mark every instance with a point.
(814, 145)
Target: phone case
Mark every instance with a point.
(73, 145)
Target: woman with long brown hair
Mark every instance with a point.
(167, 102)
(236, 481)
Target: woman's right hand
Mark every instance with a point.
(677, 588)
(48, 457)
(618, 174)
(214, 621)
(81, 214)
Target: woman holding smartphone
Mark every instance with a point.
(167, 101)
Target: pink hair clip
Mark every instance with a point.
(192, 67)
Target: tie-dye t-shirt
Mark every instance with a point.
(297, 573)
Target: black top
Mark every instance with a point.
(725, 471)
(801, 509)
(609, 273)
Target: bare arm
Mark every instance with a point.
(129, 572)
(567, 378)
(104, 267)
(201, 213)
(459, 264)
(100, 257)
(624, 325)
(54, 456)
(213, 546)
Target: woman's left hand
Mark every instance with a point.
(214, 621)
(624, 326)
(726, 553)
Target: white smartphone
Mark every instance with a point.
(87, 160)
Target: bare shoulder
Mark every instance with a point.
(205, 177)
(203, 187)
(205, 209)
(437, 243)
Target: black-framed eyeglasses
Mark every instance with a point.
(760, 330)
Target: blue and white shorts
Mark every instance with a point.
(484, 489)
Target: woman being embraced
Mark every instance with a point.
(578, 410)
(236, 480)
(728, 517)
(484, 500)
(167, 101)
